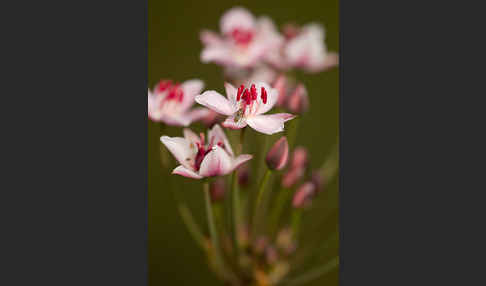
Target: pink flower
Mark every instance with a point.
(303, 196)
(199, 158)
(245, 106)
(298, 166)
(244, 41)
(171, 102)
(306, 49)
(278, 155)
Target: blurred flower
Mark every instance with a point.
(318, 180)
(211, 118)
(271, 255)
(199, 158)
(243, 175)
(217, 189)
(171, 102)
(260, 245)
(281, 84)
(304, 194)
(285, 241)
(306, 49)
(298, 165)
(244, 42)
(278, 155)
(245, 106)
(298, 101)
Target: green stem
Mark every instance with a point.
(296, 218)
(164, 156)
(191, 225)
(280, 203)
(314, 273)
(292, 132)
(236, 204)
(259, 211)
(212, 228)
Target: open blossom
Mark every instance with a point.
(171, 102)
(305, 48)
(246, 106)
(200, 158)
(244, 42)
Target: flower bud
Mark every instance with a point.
(292, 176)
(298, 101)
(243, 175)
(217, 189)
(280, 85)
(278, 155)
(303, 195)
(300, 158)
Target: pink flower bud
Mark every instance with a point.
(280, 85)
(278, 155)
(243, 175)
(292, 177)
(299, 158)
(298, 101)
(303, 195)
(217, 190)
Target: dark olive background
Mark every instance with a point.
(173, 52)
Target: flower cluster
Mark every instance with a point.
(257, 59)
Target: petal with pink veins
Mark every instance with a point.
(180, 149)
(190, 88)
(231, 124)
(183, 171)
(215, 101)
(238, 161)
(215, 163)
(231, 92)
(216, 134)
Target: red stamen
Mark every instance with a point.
(264, 95)
(253, 92)
(164, 85)
(220, 144)
(242, 37)
(246, 96)
(202, 138)
(240, 90)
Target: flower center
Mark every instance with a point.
(174, 90)
(242, 36)
(202, 151)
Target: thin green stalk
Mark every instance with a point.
(164, 155)
(259, 211)
(236, 203)
(191, 225)
(292, 132)
(219, 263)
(314, 273)
(295, 224)
(280, 203)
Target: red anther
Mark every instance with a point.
(164, 85)
(220, 144)
(240, 90)
(253, 92)
(246, 96)
(242, 37)
(264, 95)
(180, 95)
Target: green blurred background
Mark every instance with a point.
(173, 52)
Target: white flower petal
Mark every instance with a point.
(215, 163)
(268, 124)
(180, 149)
(219, 53)
(190, 88)
(197, 113)
(231, 92)
(183, 171)
(272, 97)
(210, 38)
(216, 134)
(215, 101)
(238, 161)
(191, 136)
(237, 17)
